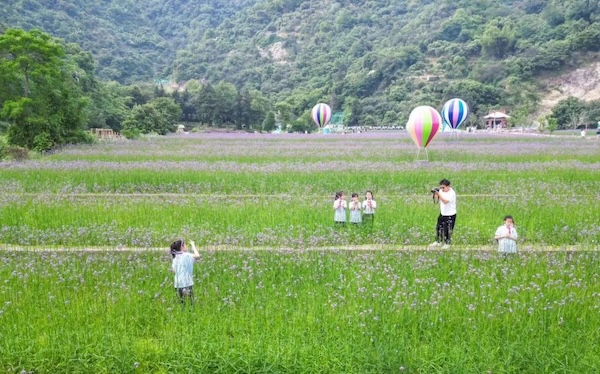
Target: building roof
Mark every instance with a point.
(497, 115)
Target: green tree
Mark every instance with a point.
(170, 111)
(552, 124)
(284, 112)
(268, 124)
(225, 102)
(205, 102)
(498, 40)
(569, 112)
(40, 91)
(109, 106)
(352, 111)
(157, 116)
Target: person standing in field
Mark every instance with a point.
(183, 267)
(355, 210)
(447, 218)
(339, 206)
(369, 206)
(506, 236)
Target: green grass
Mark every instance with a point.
(299, 312)
(288, 222)
(277, 191)
(312, 307)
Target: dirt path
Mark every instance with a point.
(223, 196)
(223, 248)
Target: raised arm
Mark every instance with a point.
(196, 254)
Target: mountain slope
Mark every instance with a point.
(373, 59)
(378, 59)
(131, 40)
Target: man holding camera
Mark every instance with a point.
(445, 223)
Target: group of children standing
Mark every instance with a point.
(359, 211)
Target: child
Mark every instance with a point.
(340, 205)
(355, 209)
(506, 235)
(183, 267)
(369, 206)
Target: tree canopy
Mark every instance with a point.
(41, 95)
(374, 60)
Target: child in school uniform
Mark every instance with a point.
(369, 205)
(506, 235)
(355, 210)
(339, 206)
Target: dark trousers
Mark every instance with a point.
(444, 228)
(186, 295)
(368, 219)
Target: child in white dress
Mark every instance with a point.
(355, 210)
(506, 235)
(369, 206)
(339, 206)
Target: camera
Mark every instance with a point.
(434, 190)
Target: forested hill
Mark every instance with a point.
(374, 59)
(132, 40)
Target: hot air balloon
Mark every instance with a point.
(321, 114)
(423, 124)
(454, 113)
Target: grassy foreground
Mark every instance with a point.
(353, 312)
(300, 311)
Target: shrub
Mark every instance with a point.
(2, 149)
(131, 133)
(42, 142)
(17, 153)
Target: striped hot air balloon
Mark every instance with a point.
(321, 114)
(423, 123)
(455, 112)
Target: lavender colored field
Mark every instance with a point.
(249, 189)
(301, 312)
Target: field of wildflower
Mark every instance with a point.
(280, 288)
(267, 190)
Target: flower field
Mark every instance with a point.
(265, 190)
(306, 304)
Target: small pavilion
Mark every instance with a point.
(497, 119)
(104, 133)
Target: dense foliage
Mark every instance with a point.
(237, 61)
(43, 90)
(375, 60)
(131, 40)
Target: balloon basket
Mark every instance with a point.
(422, 156)
(454, 134)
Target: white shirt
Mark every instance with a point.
(506, 245)
(183, 266)
(366, 207)
(340, 210)
(355, 205)
(336, 204)
(448, 209)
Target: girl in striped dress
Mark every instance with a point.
(340, 205)
(506, 236)
(369, 206)
(355, 210)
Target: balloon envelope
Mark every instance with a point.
(423, 123)
(321, 114)
(455, 112)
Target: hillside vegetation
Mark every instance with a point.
(131, 40)
(373, 60)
